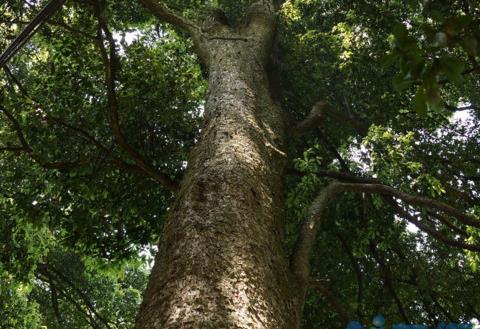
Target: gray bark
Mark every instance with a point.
(221, 263)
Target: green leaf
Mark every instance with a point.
(420, 101)
(389, 59)
(400, 32)
(470, 44)
(400, 83)
(452, 67)
(434, 101)
(415, 4)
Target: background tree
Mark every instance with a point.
(101, 110)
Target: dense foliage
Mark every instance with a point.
(78, 219)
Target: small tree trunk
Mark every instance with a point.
(221, 262)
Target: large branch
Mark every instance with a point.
(165, 14)
(308, 232)
(110, 59)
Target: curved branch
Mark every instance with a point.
(301, 257)
(120, 163)
(165, 14)
(110, 59)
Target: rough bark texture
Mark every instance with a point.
(221, 263)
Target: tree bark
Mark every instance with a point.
(221, 263)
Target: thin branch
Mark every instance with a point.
(414, 275)
(52, 272)
(341, 176)
(454, 109)
(357, 270)
(445, 221)
(18, 130)
(120, 163)
(413, 200)
(25, 147)
(43, 276)
(54, 299)
(333, 150)
(387, 275)
(110, 59)
(331, 299)
(431, 231)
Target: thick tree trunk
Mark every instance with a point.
(221, 262)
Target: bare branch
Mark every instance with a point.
(109, 59)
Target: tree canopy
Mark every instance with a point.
(384, 93)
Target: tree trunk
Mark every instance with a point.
(221, 263)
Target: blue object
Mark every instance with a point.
(452, 326)
(441, 325)
(465, 326)
(401, 326)
(354, 325)
(378, 321)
